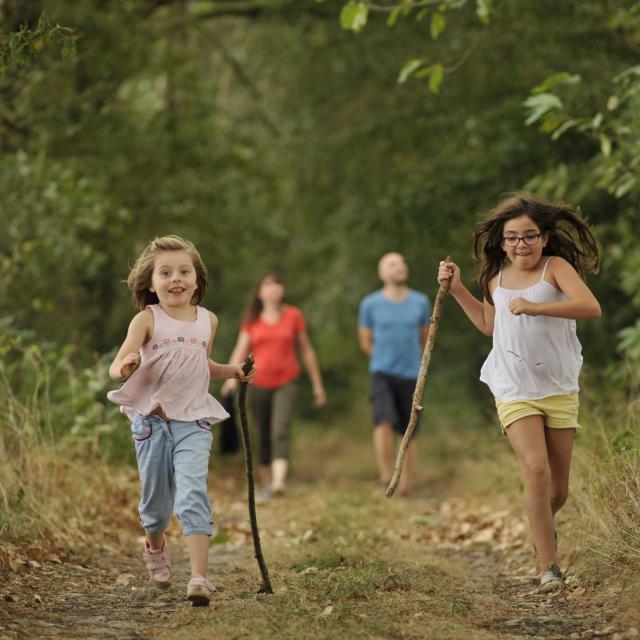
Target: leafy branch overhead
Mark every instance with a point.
(22, 47)
(614, 131)
(355, 15)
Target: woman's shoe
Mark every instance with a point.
(199, 591)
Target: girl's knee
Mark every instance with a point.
(536, 472)
(559, 496)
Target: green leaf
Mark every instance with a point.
(483, 10)
(354, 15)
(557, 78)
(540, 105)
(393, 17)
(625, 186)
(409, 68)
(631, 72)
(613, 103)
(435, 79)
(347, 15)
(563, 128)
(438, 23)
(435, 73)
(629, 340)
(605, 145)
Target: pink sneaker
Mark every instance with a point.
(199, 591)
(158, 562)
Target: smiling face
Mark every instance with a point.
(523, 242)
(174, 279)
(392, 269)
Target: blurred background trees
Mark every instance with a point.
(274, 138)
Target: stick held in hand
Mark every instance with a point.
(416, 406)
(248, 460)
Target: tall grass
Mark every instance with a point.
(607, 492)
(55, 481)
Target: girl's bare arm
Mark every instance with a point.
(482, 314)
(232, 371)
(581, 305)
(238, 355)
(128, 357)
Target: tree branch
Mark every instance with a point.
(416, 407)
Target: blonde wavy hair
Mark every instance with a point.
(139, 280)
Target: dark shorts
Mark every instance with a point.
(391, 399)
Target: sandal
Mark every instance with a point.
(199, 591)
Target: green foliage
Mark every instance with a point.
(614, 164)
(47, 390)
(22, 47)
(283, 142)
(354, 15)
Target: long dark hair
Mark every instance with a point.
(254, 306)
(568, 234)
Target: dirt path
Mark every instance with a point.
(345, 563)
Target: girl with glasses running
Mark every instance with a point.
(532, 255)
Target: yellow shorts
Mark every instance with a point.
(559, 412)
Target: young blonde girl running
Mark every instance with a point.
(532, 255)
(167, 400)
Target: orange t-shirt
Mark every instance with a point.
(274, 348)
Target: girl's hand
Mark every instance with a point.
(239, 374)
(230, 385)
(319, 397)
(449, 271)
(519, 306)
(129, 364)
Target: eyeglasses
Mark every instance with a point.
(529, 239)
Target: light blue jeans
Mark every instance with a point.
(173, 462)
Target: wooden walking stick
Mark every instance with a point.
(416, 406)
(248, 461)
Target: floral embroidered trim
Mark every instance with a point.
(194, 342)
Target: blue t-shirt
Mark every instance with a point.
(396, 332)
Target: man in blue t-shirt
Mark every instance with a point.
(392, 329)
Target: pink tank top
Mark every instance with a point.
(173, 377)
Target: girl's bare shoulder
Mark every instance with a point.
(143, 318)
(559, 270)
(213, 318)
(142, 324)
(493, 283)
(559, 265)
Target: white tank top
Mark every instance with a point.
(533, 357)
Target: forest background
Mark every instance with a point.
(310, 137)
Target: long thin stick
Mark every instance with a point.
(248, 461)
(416, 406)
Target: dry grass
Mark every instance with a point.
(605, 506)
(356, 574)
(45, 495)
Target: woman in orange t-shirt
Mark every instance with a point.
(274, 332)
